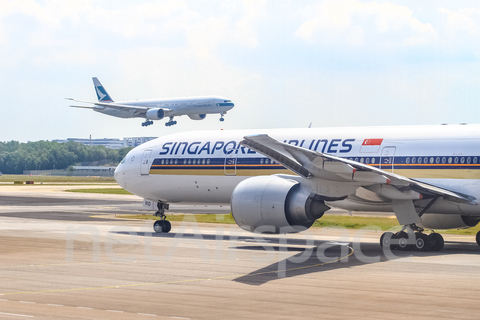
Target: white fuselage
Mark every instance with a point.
(177, 106)
(205, 166)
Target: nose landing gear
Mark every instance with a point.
(162, 225)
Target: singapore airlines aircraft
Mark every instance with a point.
(196, 108)
(281, 181)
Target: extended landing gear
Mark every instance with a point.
(407, 241)
(162, 225)
(478, 238)
(221, 116)
(147, 123)
(170, 122)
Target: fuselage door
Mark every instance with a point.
(230, 165)
(387, 159)
(145, 165)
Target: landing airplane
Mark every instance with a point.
(196, 108)
(281, 181)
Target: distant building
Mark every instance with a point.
(110, 143)
(136, 141)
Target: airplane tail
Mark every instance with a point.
(102, 94)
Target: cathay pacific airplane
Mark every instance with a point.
(196, 108)
(281, 181)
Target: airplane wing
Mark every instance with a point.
(85, 107)
(308, 164)
(116, 105)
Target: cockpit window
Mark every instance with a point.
(123, 161)
(228, 101)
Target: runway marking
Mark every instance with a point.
(147, 314)
(54, 305)
(26, 301)
(114, 310)
(85, 308)
(18, 315)
(88, 263)
(179, 318)
(181, 281)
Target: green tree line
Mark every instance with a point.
(15, 157)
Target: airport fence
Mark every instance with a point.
(103, 172)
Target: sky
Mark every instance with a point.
(285, 64)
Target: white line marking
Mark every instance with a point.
(114, 310)
(26, 301)
(3, 300)
(147, 314)
(179, 318)
(18, 315)
(84, 308)
(55, 305)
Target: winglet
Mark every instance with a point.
(102, 94)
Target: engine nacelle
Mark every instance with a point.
(197, 116)
(270, 204)
(448, 221)
(155, 114)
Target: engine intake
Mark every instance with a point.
(270, 204)
(155, 114)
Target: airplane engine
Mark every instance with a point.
(197, 116)
(155, 114)
(270, 204)
(448, 221)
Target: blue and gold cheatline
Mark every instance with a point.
(414, 167)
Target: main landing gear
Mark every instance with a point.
(170, 122)
(162, 225)
(410, 240)
(147, 123)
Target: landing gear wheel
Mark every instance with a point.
(222, 119)
(422, 242)
(401, 242)
(437, 241)
(167, 226)
(386, 240)
(158, 226)
(478, 238)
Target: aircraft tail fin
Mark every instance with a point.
(102, 94)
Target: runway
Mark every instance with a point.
(77, 267)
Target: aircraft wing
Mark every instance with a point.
(308, 164)
(84, 107)
(117, 105)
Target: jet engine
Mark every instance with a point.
(448, 221)
(270, 204)
(197, 116)
(155, 114)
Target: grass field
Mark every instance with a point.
(55, 179)
(101, 190)
(330, 221)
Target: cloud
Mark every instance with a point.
(463, 20)
(351, 22)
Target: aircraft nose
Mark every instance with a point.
(119, 174)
